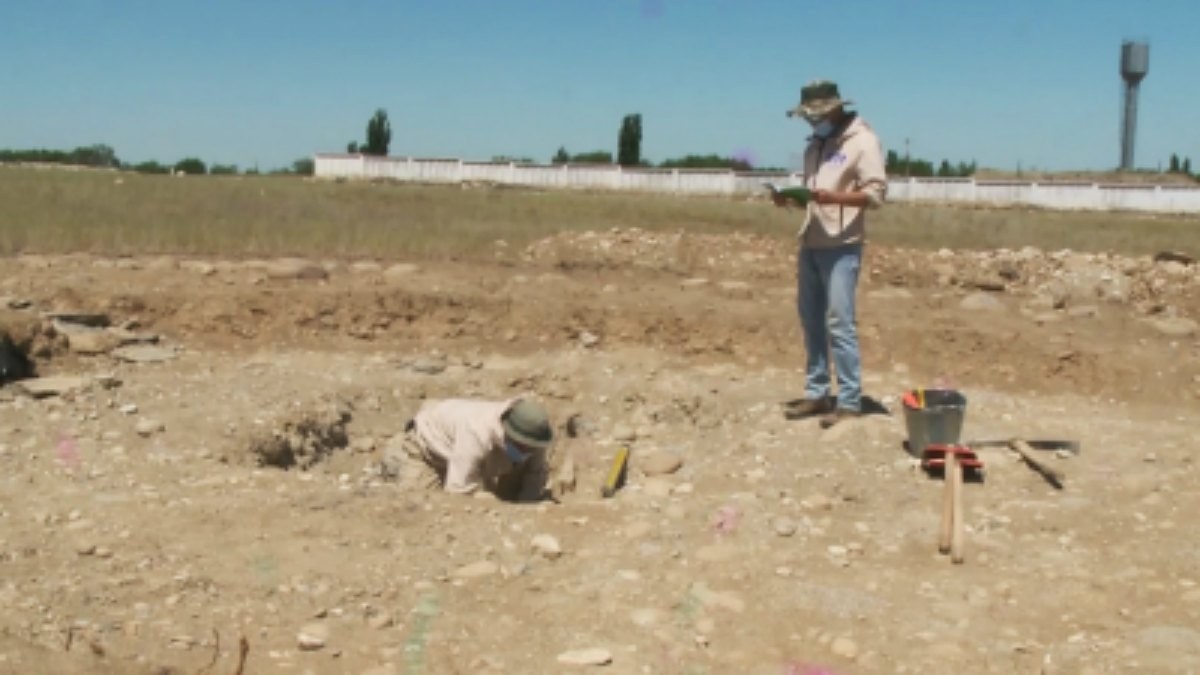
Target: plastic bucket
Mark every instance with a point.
(938, 421)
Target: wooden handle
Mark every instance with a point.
(944, 535)
(1053, 475)
(616, 474)
(956, 541)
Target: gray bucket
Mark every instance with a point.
(939, 422)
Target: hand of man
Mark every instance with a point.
(793, 196)
(823, 196)
(563, 480)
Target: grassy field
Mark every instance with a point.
(60, 211)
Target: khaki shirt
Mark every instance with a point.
(848, 163)
(465, 438)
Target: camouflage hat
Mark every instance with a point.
(527, 423)
(817, 99)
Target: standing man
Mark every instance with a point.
(844, 172)
(474, 447)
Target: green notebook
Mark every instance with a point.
(800, 195)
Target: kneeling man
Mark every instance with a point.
(469, 446)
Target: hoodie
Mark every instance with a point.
(849, 161)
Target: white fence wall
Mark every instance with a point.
(1051, 195)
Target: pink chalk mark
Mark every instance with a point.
(726, 519)
(67, 451)
(805, 669)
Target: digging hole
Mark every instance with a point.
(15, 363)
(303, 436)
(25, 342)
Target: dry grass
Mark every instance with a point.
(1140, 177)
(104, 212)
(960, 227)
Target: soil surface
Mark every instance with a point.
(145, 529)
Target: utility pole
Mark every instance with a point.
(906, 158)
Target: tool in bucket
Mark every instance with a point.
(933, 417)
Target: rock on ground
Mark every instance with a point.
(586, 657)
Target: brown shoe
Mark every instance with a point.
(808, 407)
(839, 415)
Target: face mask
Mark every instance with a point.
(823, 129)
(513, 453)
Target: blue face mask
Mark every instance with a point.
(513, 453)
(823, 129)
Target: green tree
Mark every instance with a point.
(893, 164)
(93, 155)
(897, 165)
(98, 155)
(151, 167)
(706, 162)
(594, 157)
(223, 169)
(304, 166)
(1173, 167)
(629, 143)
(379, 134)
(1187, 165)
(560, 157)
(352, 147)
(191, 165)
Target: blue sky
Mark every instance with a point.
(267, 81)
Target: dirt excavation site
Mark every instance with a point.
(189, 483)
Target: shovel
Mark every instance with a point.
(1072, 447)
(1028, 452)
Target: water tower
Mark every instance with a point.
(1135, 63)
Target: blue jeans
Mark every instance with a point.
(828, 279)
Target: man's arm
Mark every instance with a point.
(462, 469)
(533, 482)
(856, 198)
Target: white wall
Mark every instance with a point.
(1051, 195)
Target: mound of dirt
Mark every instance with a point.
(738, 254)
(299, 435)
(1168, 283)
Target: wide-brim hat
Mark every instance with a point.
(817, 99)
(527, 423)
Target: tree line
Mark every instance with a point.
(629, 149)
(709, 161)
(629, 140)
(104, 157)
(629, 153)
(379, 138)
(923, 168)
